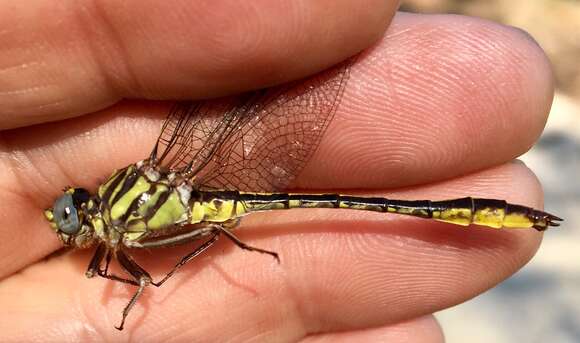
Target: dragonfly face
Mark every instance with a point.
(68, 217)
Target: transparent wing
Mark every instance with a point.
(259, 141)
(192, 132)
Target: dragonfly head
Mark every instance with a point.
(68, 217)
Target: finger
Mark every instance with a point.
(444, 94)
(100, 52)
(399, 268)
(382, 137)
(339, 271)
(420, 330)
(356, 153)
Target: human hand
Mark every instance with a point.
(436, 110)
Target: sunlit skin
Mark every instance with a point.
(437, 109)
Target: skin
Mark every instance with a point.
(437, 107)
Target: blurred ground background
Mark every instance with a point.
(541, 303)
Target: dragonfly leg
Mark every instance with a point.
(189, 236)
(188, 258)
(104, 273)
(107, 263)
(245, 246)
(201, 231)
(117, 278)
(95, 264)
(143, 278)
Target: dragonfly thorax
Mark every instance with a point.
(141, 200)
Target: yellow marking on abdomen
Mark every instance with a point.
(215, 210)
(490, 217)
(517, 220)
(459, 216)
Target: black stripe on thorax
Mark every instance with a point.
(137, 202)
(111, 187)
(128, 183)
(160, 201)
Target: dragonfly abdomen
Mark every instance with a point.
(463, 211)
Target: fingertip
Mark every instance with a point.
(443, 93)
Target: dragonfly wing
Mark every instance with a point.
(191, 134)
(258, 141)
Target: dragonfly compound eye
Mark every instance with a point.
(66, 215)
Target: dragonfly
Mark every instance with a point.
(217, 161)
